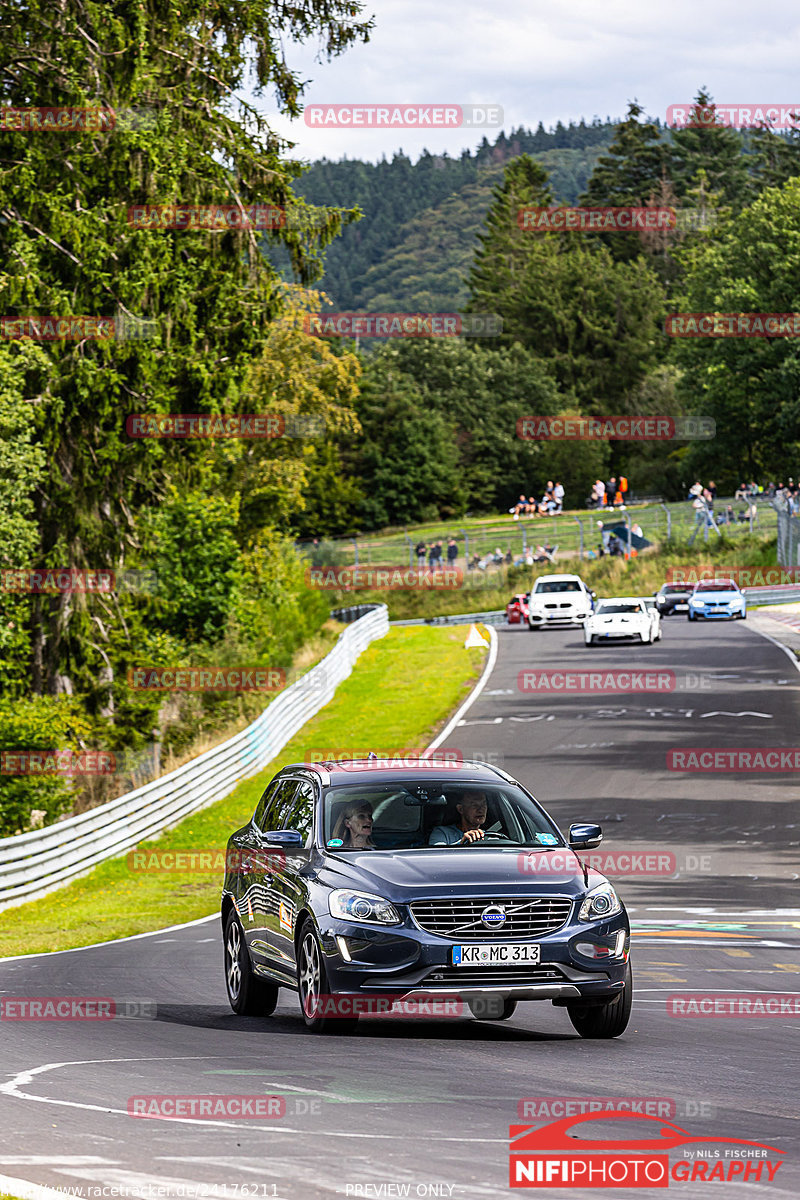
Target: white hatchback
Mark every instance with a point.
(559, 600)
(622, 617)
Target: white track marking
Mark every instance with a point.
(114, 941)
(455, 720)
(12, 1087)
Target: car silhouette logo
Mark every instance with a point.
(555, 1136)
(494, 916)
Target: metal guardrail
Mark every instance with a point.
(482, 618)
(781, 594)
(33, 864)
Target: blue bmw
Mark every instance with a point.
(716, 598)
(402, 881)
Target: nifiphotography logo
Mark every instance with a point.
(551, 1156)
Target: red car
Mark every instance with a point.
(517, 609)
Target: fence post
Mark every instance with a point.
(669, 521)
(355, 543)
(466, 549)
(410, 552)
(580, 527)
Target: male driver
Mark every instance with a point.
(472, 812)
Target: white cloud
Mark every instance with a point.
(562, 60)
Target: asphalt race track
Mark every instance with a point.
(423, 1107)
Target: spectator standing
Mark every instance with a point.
(611, 491)
(432, 556)
(712, 488)
(419, 550)
(558, 496)
(452, 551)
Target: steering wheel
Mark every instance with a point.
(492, 834)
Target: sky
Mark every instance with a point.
(560, 60)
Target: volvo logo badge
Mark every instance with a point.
(494, 916)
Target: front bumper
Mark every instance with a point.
(557, 618)
(717, 613)
(405, 961)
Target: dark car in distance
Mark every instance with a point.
(413, 909)
(673, 597)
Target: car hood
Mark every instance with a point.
(414, 874)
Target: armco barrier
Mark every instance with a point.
(32, 864)
(780, 594)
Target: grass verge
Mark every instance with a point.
(402, 690)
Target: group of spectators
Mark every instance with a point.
(435, 553)
(612, 494)
(551, 502)
(704, 497)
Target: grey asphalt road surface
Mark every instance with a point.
(422, 1107)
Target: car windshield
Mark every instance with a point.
(409, 815)
(557, 585)
(671, 589)
(613, 606)
(720, 586)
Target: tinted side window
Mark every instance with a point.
(274, 803)
(266, 797)
(300, 815)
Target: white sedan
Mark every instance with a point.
(622, 617)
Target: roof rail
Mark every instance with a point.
(316, 768)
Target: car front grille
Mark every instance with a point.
(494, 976)
(526, 916)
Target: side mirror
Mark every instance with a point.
(283, 837)
(594, 595)
(585, 837)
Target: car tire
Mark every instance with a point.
(743, 616)
(312, 981)
(588, 641)
(492, 1008)
(689, 617)
(248, 995)
(646, 640)
(604, 1020)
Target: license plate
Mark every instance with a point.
(486, 955)
(681, 607)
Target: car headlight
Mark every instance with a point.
(695, 601)
(363, 908)
(602, 902)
